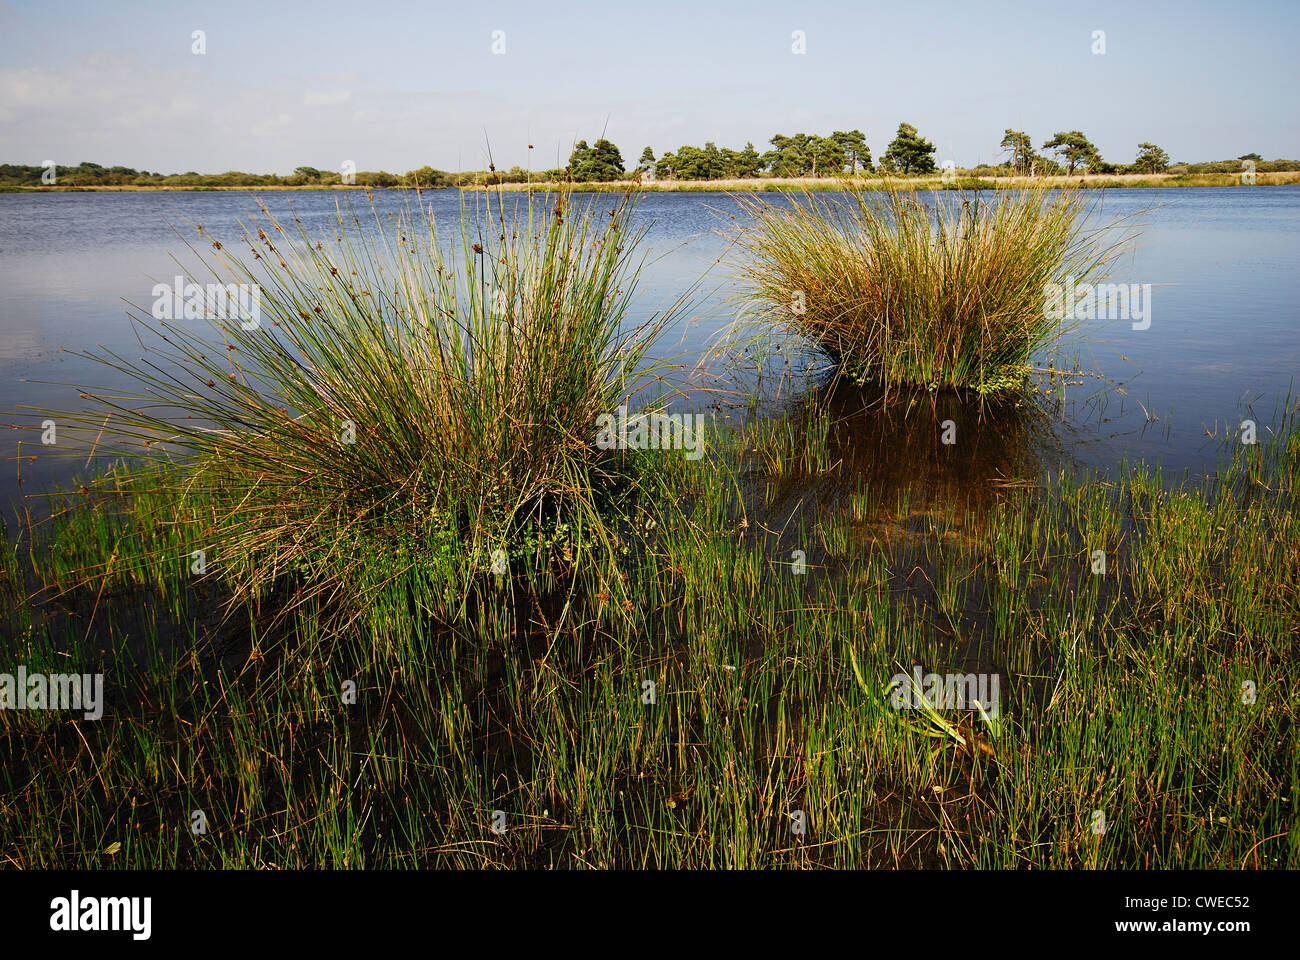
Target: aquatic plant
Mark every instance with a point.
(388, 387)
(938, 291)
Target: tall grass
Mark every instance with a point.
(939, 293)
(402, 394)
(1121, 691)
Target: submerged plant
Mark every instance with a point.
(945, 293)
(398, 395)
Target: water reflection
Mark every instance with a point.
(893, 459)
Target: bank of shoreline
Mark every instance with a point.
(773, 184)
(754, 184)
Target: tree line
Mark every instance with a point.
(800, 155)
(95, 175)
(909, 153)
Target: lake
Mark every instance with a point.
(1223, 342)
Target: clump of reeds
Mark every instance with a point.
(938, 291)
(402, 395)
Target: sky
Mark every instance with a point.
(389, 85)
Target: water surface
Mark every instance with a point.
(1223, 342)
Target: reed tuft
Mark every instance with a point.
(402, 394)
(939, 291)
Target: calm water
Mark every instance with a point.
(1223, 343)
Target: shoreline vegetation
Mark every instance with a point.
(1146, 717)
(962, 181)
(799, 162)
(366, 594)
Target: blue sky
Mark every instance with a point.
(395, 85)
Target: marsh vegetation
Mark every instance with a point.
(681, 658)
